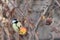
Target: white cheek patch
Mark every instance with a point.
(13, 21)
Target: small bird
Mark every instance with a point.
(17, 26)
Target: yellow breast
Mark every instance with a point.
(23, 30)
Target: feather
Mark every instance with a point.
(19, 24)
(15, 28)
(23, 31)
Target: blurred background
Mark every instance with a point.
(41, 17)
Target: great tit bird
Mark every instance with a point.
(16, 25)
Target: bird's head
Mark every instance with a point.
(14, 21)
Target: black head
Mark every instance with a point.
(14, 21)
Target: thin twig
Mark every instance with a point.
(40, 18)
(45, 11)
(16, 7)
(57, 3)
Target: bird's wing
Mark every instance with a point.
(19, 24)
(15, 28)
